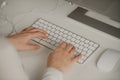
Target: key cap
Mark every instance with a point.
(37, 39)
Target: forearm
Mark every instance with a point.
(10, 65)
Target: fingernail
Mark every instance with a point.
(45, 38)
(64, 43)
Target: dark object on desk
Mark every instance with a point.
(79, 15)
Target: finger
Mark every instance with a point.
(27, 29)
(38, 34)
(43, 35)
(62, 45)
(38, 30)
(33, 35)
(32, 47)
(72, 51)
(76, 58)
(33, 29)
(69, 47)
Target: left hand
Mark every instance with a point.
(21, 40)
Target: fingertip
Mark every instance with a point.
(34, 47)
(37, 46)
(72, 50)
(46, 35)
(69, 47)
(63, 44)
(43, 31)
(38, 34)
(78, 57)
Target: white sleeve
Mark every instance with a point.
(52, 74)
(10, 65)
(11, 68)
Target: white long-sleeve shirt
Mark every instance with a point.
(11, 68)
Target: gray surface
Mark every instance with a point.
(78, 15)
(108, 8)
(34, 61)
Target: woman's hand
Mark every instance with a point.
(21, 40)
(62, 57)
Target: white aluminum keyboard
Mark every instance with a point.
(57, 34)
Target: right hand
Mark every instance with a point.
(61, 58)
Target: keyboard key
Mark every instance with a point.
(49, 24)
(58, 40)
(57, 44)
(61, 33)
(91, 43)
(65, 32)
(64, 35)
(76, 45)
(95, 45)
(81, 47)
(86, 41)
(69, 37)
(68, 41)
(84, 53)
(53, 30)
(57, 31)
(77, 41)
(47, 44)
(92, 48)
(52, 42)
(53, 26)
(73, 39)
(61, 30)
(60, 37)
(85, 49)
(37, 39)
(81, 43)
(89, 52)
(84, 58)
(56, 35)
(82, 39)
(78, 37)
(74, 35)
(79, 50)
(64, 39)
(57, 28)
(69, 33)
(48, 40)
(86, 45)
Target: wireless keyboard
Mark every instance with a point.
(57, 34)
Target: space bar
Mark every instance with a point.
(45, 44)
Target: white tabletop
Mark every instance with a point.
(34, 61)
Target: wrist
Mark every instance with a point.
(53, 74)
(57, 68)
(11, 40)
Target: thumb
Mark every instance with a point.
(32, 47)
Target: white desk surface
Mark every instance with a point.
(34, 61)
